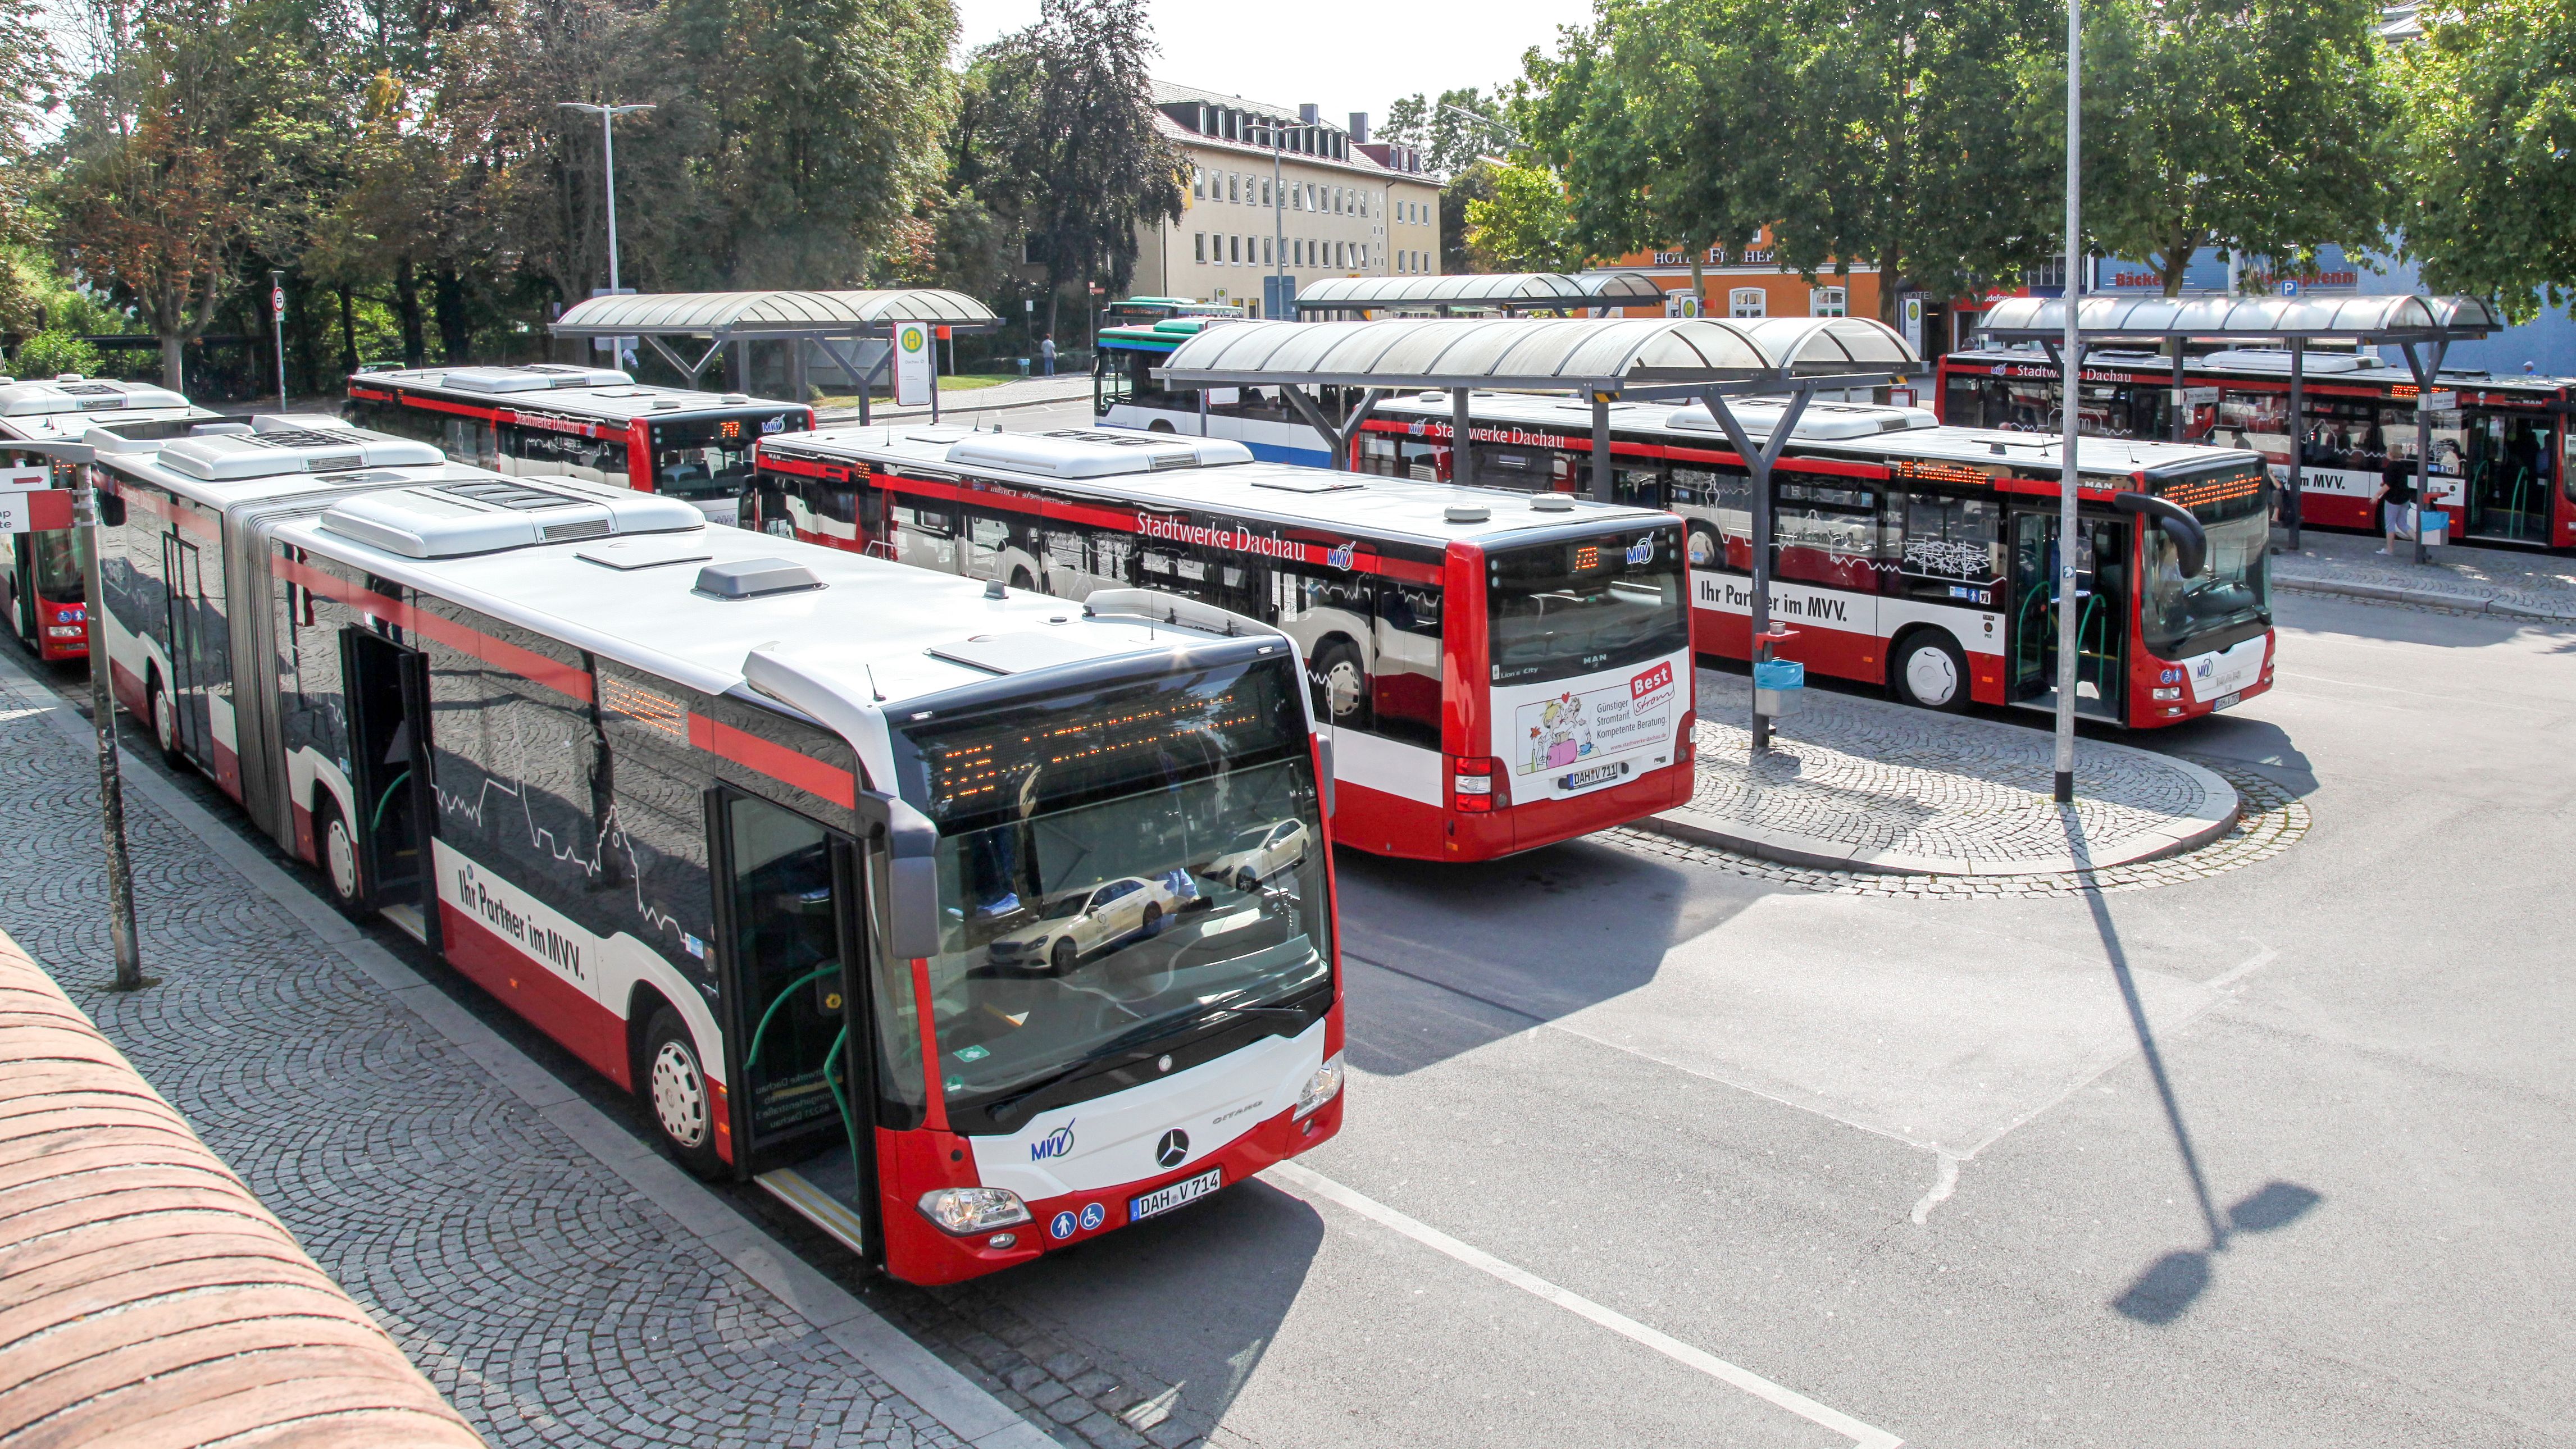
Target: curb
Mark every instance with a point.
(2432, 598)
(936, 1388)
(1699, 827)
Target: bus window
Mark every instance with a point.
(1406, 681)
(535, 453)
(60, 556)
(1953, 549)
(1557, 610)
(705, 459)
(1636, 487)
(2233, 589)
(1826, 533)
(1718, 503)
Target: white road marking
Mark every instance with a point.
(1944, 1184)
(7, 715)
(1316, 1184)
(2243, 969)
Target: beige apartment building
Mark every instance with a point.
(1280, 190)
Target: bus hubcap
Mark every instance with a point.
(1929, 675)
(165, 720)
(1342, 687)
(340, 854)
(679, 1097)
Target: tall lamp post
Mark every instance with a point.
(2069, 476)
(608, 115)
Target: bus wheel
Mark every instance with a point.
(675, 1087)
(1337, 668)
(1930, 671)
(1703, 549)
(1159, 425)
(335, 845)
(163, 717)
(1020, 580)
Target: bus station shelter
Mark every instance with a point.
(1502, 293)
(1605, 359)
(2423, 328)
(729, 322)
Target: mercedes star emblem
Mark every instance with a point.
(1173, 1149)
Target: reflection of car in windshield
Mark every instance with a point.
(1257, 853)
(1080, 923)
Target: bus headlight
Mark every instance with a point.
(1322, 1087)
(967, 1210)
(2168, 693)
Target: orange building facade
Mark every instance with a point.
(1746, 281)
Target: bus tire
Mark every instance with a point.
(1161, 425)
(673, 1084)
(161, 716)
(1020, 580)
(335, 851)
(1703, 548)
(1343, 683)
(1930, 671)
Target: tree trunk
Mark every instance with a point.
(1890, 279)
(455, 327)
(407, 309)
(348, 335)
(173, 361)
(1699, 272)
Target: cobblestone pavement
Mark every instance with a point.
(550, 1302)
(2477, 579)
(1943, 794)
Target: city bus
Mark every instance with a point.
(2500, 456)
(1126, 394)
(1149, 310)
(970, 923)
(1913, 556)
(549, 420)
(1496, 672)
(43, 571)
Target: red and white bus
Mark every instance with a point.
(1497, 672)
(43, 571)
(1911, 555)
(2501, 453)
(970, 923)
(549, 420)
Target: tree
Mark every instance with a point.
(2259, 127)
(1081, 131)
(1526, 227)
(2489, 126)
(1447, 131)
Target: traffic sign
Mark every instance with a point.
(35, 509)
(277, 300)
(2439, 402)
(913, 378)
(20, 480)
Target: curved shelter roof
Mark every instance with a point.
(1609, 354)
(2398, 318)
(727, 316)
(1500, 291)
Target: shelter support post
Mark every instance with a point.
(1462, 468)
(1337, 436)
(796, 369)
(738, 366)
(849, 368)
(1601, 489)
(2181, 409)
(1758, 461)
(2426, 374)
(690, 369)
(2298, 428)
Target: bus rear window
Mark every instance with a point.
(1565, 608)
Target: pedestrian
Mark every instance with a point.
(1046, 352)
(2396, 496)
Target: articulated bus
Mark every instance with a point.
(1497, 672)
(1126, 394)
(43, 572)
(1914, 556)
(548, 420)
(2500, 456)
(972, 924)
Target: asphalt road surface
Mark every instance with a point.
(1648, 1152)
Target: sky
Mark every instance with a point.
(1359, 59)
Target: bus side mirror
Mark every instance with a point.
(912, 873)
(2190, 540)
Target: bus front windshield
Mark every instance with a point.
(60, 557)
(1576, 606)
(1121, 872)
(711, 458)
(2234, 588)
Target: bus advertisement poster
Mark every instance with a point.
(1569, 728)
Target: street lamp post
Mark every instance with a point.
(2069, 476)
(608, 115)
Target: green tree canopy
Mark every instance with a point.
(2488, 151)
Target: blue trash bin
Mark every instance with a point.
(1776, 686)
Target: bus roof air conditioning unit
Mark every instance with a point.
(1820, 421)
(532, 379)
(1087, 456)
(282, 444)
(487, 515)
(31, 399)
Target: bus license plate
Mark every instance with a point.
(1594, 776)
(2226, 701)
(1164, 1199)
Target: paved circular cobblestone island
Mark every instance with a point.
(1862, 786)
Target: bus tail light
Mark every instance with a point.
(1477, 786)
(1322, 1087)
(964, 1211)
(1683, 743)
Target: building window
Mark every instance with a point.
(1265, 261)
(1233, 187)
(1234, 246)
(1828, 302)
(1198, 241)
(1747, 302)
(1265, 200)
(1198, 183)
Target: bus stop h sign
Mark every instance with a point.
(912, 370)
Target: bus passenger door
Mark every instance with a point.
(183, 566)
(793, 968)
(2102, 621)
(387, 688)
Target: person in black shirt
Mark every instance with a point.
(2396, 494)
